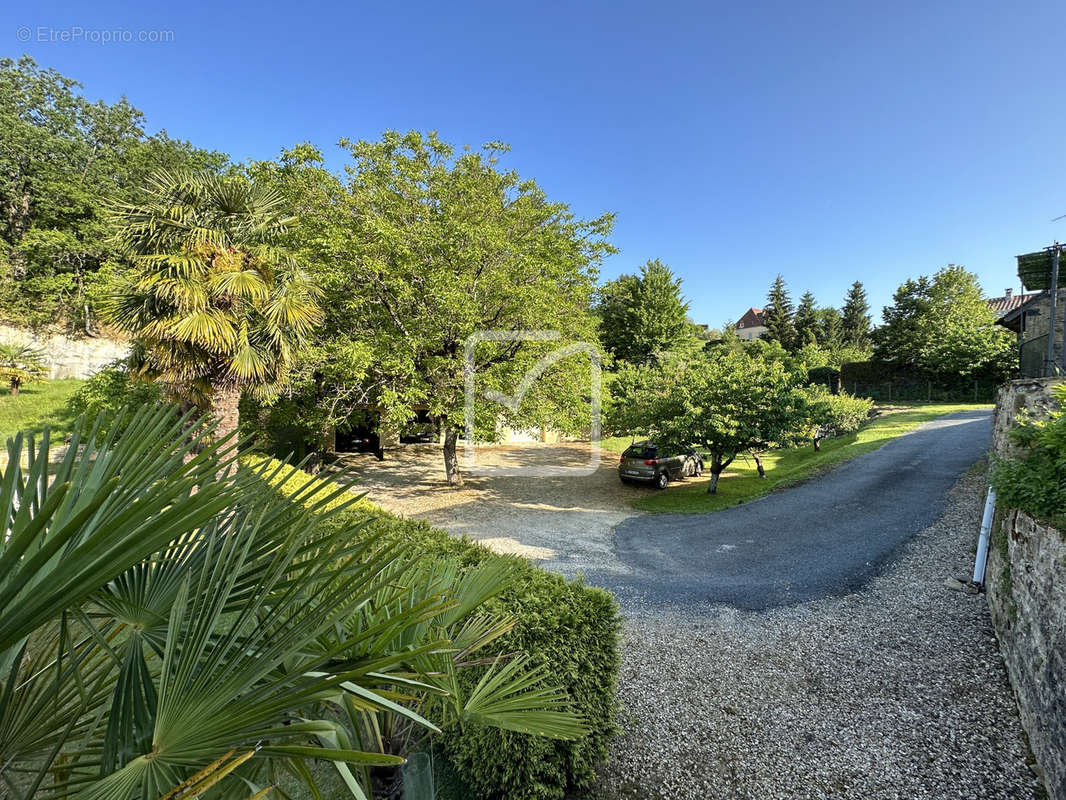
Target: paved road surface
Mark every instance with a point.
(827, 537)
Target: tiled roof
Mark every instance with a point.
(1002, 305)
(752, 318)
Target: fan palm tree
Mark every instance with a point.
(457, 684)
(20, 364)
(167, 635)
(156, 625)
(215, 304)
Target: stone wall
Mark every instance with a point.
(1038, 324)
(1026, 590)
(67, 357)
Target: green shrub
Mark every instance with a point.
(1035, 481)
(574, 630)
(110, 390)
(830, 414)
(289, 481)
(287, 427)
(571, 628)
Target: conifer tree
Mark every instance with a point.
(777, 316)
(855, 317)
(806, 321)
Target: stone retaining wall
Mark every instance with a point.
(1026, 590)
(67, 357)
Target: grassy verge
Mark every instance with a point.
(37, 405)
(741, 483)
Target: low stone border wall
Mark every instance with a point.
(1026, 583)
(1026, 589)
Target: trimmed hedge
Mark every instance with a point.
(571, 628)
(890, 381)
(829, 377)
(289, 481)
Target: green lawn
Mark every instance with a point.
(740, 483)
(37, 405)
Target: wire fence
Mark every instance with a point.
(922, 392)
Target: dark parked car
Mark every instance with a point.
(420, 429)
(359, 439)
(647, 462)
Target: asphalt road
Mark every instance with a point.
(826, 537)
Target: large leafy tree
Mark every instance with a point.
(778, 315)
(855, 317)
(61, 157)
(726, 402)
(645, 315)
(423, 246)
(943, 325)
(215, 306)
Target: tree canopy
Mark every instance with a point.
(62, 157)
(645, 315)
(806, 321)
(215, 306)
(855, 317)
(777, 315)
(943, 324)
(725, 401)
(423, 246)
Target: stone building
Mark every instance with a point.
(1031, 322)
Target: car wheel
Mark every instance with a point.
(661, 481)
(698, 470)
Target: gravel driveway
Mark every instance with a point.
(825, 537)
(894, 690)
(564, 523)
(897, 691)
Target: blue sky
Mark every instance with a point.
(826, 141)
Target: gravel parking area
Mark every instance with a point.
(564, 523)
(897, 691)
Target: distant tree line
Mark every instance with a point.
(820, 335)
(319, 297)
(63, 159)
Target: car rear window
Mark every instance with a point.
(641, 451)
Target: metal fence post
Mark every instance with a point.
(1054, 289)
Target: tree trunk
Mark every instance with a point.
(225, 410)
(225, 413)
(14, 387)
(451, 461)
(758, 465)
(817, 444)
(712, 484)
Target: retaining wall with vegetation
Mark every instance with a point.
(1026, 589)
(67, 357)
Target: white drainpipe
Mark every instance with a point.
(982, 541)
